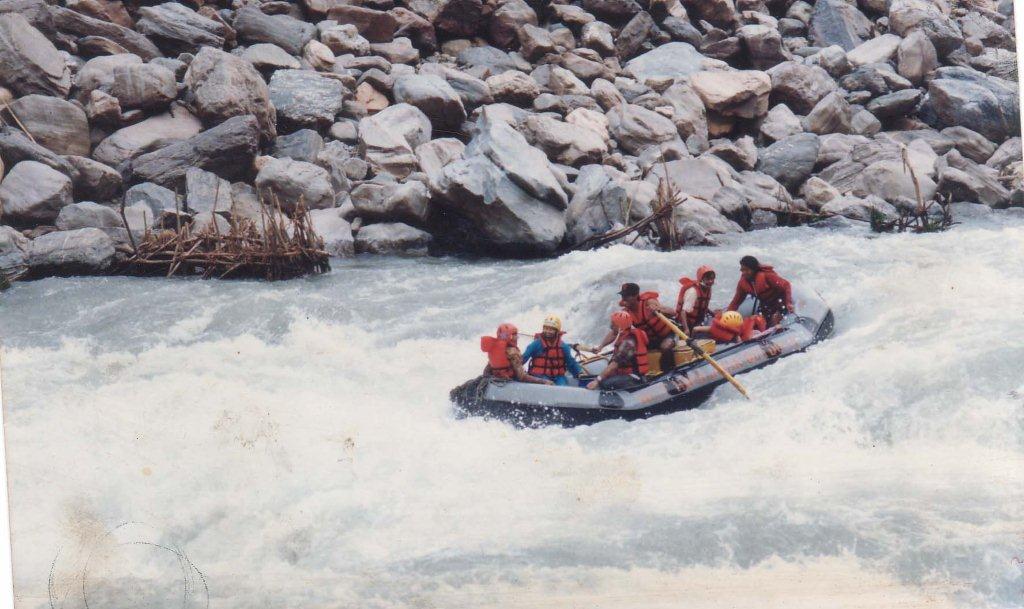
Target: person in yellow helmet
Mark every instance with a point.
(730, 327)
(549, 357)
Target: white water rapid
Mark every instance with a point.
(187, 443)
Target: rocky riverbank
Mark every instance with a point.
(508, 128)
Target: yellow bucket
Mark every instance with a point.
(683, 353)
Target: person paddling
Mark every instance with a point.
(692, 306)
(628, 364)
(549, 357)
(504, 361)
(641, 308)
(774, 294)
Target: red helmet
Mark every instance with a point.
(507, 332)
(621, 320)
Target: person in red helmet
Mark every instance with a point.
(504, 361)
(774, 294)
(641, 308)
(628, 364)
(693, 304)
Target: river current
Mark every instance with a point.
(188, 443)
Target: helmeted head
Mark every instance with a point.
(732, 320)
(621, 321)
(552, 325)
(706, 276)
(508, 332)
(749, 266)
(630, 293)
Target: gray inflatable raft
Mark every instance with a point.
(530, 405)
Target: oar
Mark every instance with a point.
(696, 349)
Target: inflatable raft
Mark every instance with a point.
(685, 387)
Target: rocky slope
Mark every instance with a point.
(505, 127)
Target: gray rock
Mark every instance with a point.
(963, 180)
(374, 25)
(965, 97)
(634, 34)
(900, 103)
(858, 208)
(224, 85)
(157, 198)
(737, 93)
(32, 193)
(600, 204)
(88, 215)
(472, 91)
(305, 99)
(832, 114)
(206, 192)
(408, 202)
(291, 34)
(399, 50)
(95, 181)
(335, 231)
(345, 38)
(799, 86)
(598, 35)
(77, 24)
(688, 114)
(227, 150)
(705, 216)
(513, 87)
(291, 183)
(696, 178)
(864, 123)
(670, 60)
(98, 72)
(143, 85)
(13, 246)
(612, 9)
(741, 154)
(81, 251)
(178, 29)
(60, 126)
(266, 56)
(838, 22)
(790, 160)
(1007, 153)
(387, 139)
(562, 142)
(907, 15)
(971, 144)
(763, 45)
(15, 147)
(507, 20)
(636, 128)
(303, 145)
(876, 50)
(436, 154)
(434, 97)
(131, 141)
(535, 42)
(916, 57)
(29, 63)
(392, 238)
(817, 192)
(721, 13)
(890, 180)
(780, 123)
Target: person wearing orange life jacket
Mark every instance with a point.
(504, 361)
(548, 356)
(730, 327)
(773, 293)
(693, 304)
(642, 308)
(628, 364)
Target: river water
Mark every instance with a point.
(192, 443)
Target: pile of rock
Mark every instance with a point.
(502, 126)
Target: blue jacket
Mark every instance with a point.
(536, 348)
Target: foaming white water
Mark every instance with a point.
(293, 444)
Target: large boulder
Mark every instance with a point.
(98, 73)
(292, 184)
(13, 246)
(434, 97)
(562, 142)
(133, 140)
(32, 193)
(59, 125)
(877, 50)
(77, 24)
(72, 252)
(790, 160)
(206, 192)
(388, 139)
(146, 86)
(305, 99)
(739, 93)
(374, 25)
(670, 60)
(89, 215)
(392, 238)
(837, 22)
(905, 16)
(451, 18)
(408, 202)
(225, 85)
(178, 29)
(16, 147)
(892, 181)
(982, 103)
(95, 181)
(335, 230)
(289, 33)
(799, 86)
(636, 128)
(29, 63)
(506, 21)
(227, 150)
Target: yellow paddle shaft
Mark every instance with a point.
(725, 374)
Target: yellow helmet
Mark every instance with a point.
(732, 320)
(552, 321)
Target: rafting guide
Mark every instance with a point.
(661, 359)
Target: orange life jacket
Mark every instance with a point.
(700, 308)
(754, 323)
(723, 333)
(647, 321)
(497, 357)
(550, 361)
(639, 364)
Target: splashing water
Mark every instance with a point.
(292, 444)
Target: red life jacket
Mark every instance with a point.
(639, 364)
(772, 299)
(550, 361)
(497, 357)
(754, 323)
(700, 308)
(647, 321)
(723, 333)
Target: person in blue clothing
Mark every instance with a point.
(549, 357)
